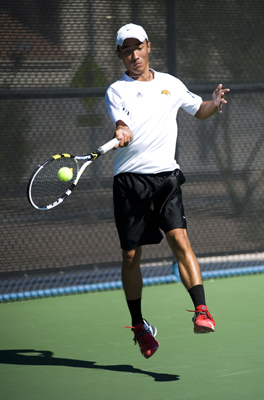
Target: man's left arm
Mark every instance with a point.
(208, 108)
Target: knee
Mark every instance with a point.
(178, 241)
(131, 257)
(128, 255)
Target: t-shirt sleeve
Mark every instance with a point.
(116, 107)
(190, 101)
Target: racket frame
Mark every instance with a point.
(89, 158)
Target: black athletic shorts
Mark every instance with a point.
(144, 204)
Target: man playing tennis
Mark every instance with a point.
(143, 105)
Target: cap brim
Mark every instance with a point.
(120, 42)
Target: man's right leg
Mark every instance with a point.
(131, 273)
(132, 285)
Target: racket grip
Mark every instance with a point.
(108, 146)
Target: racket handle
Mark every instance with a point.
(108, 146)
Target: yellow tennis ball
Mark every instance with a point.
(65, 174)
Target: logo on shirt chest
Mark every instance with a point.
(162, 92)
(165, 92)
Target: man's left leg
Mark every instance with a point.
(190, 274)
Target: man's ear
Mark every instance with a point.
(118, 53)
(149, 47)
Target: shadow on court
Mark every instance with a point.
(35, 357)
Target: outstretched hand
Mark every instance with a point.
(219, 97)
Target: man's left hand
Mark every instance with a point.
(219, 97)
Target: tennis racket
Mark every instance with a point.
(45, 189)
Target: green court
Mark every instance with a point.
(72, 347)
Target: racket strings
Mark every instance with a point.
(46, 187)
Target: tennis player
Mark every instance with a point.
(143, 105)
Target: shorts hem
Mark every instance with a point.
(139, 244)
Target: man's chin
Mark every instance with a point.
(136, 72)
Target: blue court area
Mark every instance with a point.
(108, 277)
(73, 346)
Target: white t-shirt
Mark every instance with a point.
(149, 109)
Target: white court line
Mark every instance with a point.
(237, 373)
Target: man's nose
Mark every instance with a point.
(135, 55)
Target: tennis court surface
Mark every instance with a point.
(73, 347)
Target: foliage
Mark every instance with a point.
(89, 75)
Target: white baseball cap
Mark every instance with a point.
(130, 31)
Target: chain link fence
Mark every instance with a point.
(57, 59)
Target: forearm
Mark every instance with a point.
(206, 109)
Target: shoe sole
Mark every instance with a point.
(203, 329)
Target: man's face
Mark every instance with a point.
(134, 55)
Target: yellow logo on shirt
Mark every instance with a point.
(165, 92)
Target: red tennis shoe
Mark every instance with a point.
(203, 320)
(144, 335)
(147, 343)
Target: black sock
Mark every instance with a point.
(197, 295)
(135, 311)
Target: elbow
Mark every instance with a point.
(199, 115)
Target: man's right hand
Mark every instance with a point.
(123, 133)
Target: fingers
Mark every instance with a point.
(220, 90)
(124, 135)
(219, 87)
(221, 105)
(219, 95)
(222, 101)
